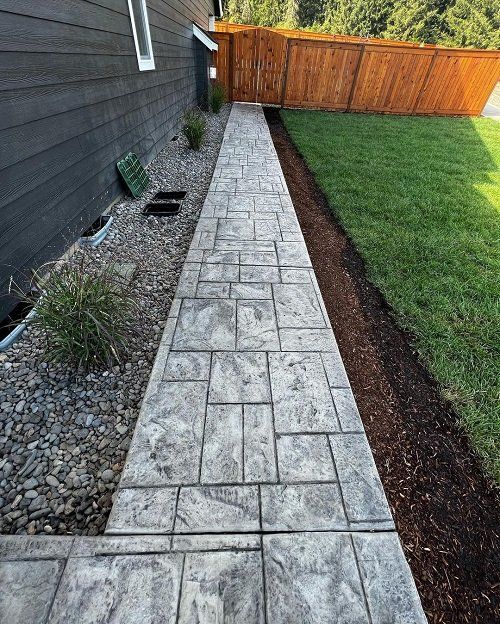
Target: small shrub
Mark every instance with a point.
(217, 98)
(194, 128)
(84, 315)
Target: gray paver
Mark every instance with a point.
(129, 589)
(143, 510)
(166, 448)
(297, 306)
(239, 378)
(222, 460)
(312, 578)
(205, 325)
(361, 487)
(222, 587)
(301, 395)
(305, 458)
(302, 507)
(251, 291)
(257, 328)
(27, 590)
(259, 444)
(187, 366)
(386, 577)
(218, 509)
(347, 410)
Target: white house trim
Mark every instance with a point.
(204, 38)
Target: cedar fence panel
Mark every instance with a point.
(274, 66)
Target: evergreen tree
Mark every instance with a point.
(363, 18)
(416, 20)
(269, 12)
(292, 14)
(472, 24)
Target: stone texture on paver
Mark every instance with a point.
(248, 429)
(27, 589)
(143, 510)
(304, 458)
(222, 587)
(257, 329)
(217, 509)
(386, 577)
(167, 443)
(361, 487)
(205, 325)
(305, 576)
(239, 378)
(301, 395)
(187, 366)
(259, 444)
(125, 589)
(222, 460)
(302, 507)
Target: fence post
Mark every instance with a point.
(426, 80)
(230, 66)
(355, 79)
(285, 73)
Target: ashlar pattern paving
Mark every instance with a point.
(250, 494)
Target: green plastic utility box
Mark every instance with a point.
(133, 174)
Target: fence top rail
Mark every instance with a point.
(309, 36)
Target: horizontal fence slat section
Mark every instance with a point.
(275, 66)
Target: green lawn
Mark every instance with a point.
(420, 197)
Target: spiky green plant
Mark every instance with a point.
(217, 97)
(84, 315)
(194, 128)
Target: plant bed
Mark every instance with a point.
(445, 508)
(161, 209)
(97, 232)
(64, 436)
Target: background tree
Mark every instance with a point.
(415, 20)
(291, 14)
(363, 18)
(472, 23)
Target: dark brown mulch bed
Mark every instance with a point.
(446, 510)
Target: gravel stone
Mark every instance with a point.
(64, 436)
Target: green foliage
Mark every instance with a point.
(85, 315)
(217, 97)
(194, 128)
(363, 18)
(291, 16)
(420, 198)
(472, 23)
(419, 21)
(464, 23)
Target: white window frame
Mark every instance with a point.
(145, 64)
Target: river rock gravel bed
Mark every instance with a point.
(64, 437)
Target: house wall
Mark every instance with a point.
(72, 103)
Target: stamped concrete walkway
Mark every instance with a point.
(250, 494)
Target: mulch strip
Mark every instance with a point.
(445, 508)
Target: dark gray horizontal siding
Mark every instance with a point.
(72, 102)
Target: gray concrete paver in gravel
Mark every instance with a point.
(249, 494)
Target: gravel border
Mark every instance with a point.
(63, 437)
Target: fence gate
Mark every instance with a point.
(258, 66)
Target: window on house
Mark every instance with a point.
(140, 29)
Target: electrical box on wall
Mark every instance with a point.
(213, 72)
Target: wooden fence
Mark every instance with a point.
(318, 71)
